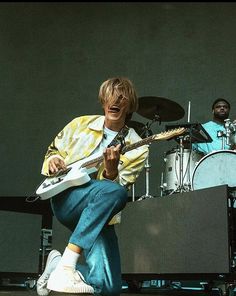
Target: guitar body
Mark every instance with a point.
(74, 176)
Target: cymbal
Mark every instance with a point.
(137, 126)
(162, 108)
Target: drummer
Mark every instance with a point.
(216, 128)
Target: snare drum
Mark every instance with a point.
(215, 169)
(171, 176)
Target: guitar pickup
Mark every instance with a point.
(62, 172)
(57, 178)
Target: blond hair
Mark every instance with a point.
(113, 88)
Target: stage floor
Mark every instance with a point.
(143, 292)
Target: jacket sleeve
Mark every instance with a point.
(58, 147)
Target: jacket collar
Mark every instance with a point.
(97, 124)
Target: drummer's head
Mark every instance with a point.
(220, 109)
(220, 100)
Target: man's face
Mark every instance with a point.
(221, 110)
(117, 110)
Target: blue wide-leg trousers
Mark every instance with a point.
(86, 211)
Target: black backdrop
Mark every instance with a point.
(54, 56)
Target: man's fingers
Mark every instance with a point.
(56, 164)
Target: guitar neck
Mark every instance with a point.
(123, 151)
(145, 141)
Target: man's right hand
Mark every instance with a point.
(55, 165)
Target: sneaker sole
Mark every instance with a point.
(54, 293)
(68, 291)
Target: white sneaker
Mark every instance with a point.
(68, 280)
(53, 258)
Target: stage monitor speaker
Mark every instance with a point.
(20, 241)
(181, 233)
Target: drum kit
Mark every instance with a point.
(186, 169)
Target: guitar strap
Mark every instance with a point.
(120, 137)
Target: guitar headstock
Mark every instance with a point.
(170, 134)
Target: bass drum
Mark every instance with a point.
(171, 175)
(215, 169)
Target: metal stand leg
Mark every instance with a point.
(181, 181)
(181, 187)
(133, 192)
(147, 173)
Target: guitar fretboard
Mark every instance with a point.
(125, 149)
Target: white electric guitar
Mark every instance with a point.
(78, 172)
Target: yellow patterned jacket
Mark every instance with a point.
(79, 139)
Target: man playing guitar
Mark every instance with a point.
(91, 210)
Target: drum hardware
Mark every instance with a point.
(227, 130)
(189, 110)
(222, 135)
(157, 109)
(133, 192)
(183, 182)
(144, 131)
(180, 186)
(170, 179)
(147, 167)
(138, 127)
(232, 193)
(147, 132)
(232, 196)
(163, 185)
(228, 135)
(195, 132)
(230, 132)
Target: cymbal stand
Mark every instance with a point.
(181, 152)
(147, 173)
(147, 132)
